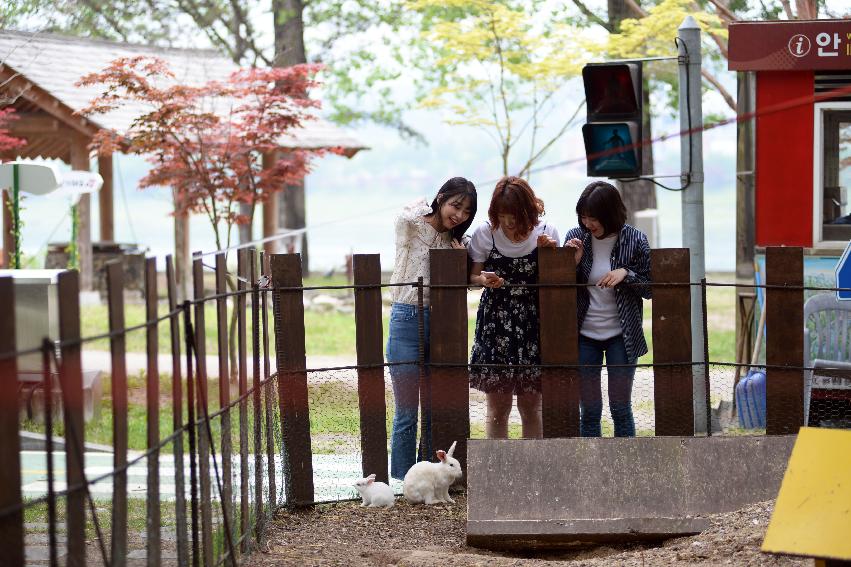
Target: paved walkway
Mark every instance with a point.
(137, 362)
(333, 475)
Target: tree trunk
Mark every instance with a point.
(289, 50)
(807, 9)
(244, 230)
(637, 195)
(182, 259)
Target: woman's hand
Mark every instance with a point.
(577, 245)
(485, 279)
(490, 279)
(457, 245)
(545, 241)
(613, 278)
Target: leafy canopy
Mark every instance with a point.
(207, 142)
(496, 65)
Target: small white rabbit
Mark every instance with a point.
(375, 494)
(429, 483)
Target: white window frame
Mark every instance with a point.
(819, 110)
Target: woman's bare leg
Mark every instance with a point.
(529, 406)
(496, 422)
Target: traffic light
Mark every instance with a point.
(613, 97)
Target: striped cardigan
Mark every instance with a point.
(632, 252)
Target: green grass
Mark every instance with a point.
(99, 429)
(333, 333)
(136, 515)
(335, 419)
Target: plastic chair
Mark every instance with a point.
(827, 339)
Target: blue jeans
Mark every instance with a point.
(403, 345)
(620, 386)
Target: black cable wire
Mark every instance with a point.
(678, 42)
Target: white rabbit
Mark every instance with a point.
(375, 494)
(429, 483)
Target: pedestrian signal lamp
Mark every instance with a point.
(613, 97)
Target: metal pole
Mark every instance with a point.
(16, 214)
(691, 159)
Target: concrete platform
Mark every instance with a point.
(565, 492)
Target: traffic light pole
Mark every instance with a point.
(691, 160)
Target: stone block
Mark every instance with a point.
(563, 492)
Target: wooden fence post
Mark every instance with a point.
(673, 391)
(292, 379)
(202, 400)
(268, 390)
(11, 523)
(784, 340)
(241, 347)
(71, 377)
(224, 385)
(177, 417)
(370, 351)
(115, 300)
(152, 542)
(256, 397)
(450, 385)
(559, 342)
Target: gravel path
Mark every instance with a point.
(346, 534)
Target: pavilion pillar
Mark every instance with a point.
(105, 199)
(270, 211)
(80, 162)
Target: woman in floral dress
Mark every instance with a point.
(505, 251)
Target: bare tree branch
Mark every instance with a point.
(206, 26)
(637, 10)
(728, 98)
(722, 45)
(503, 95)
(724, 11)
(551, 141)
(592, 16)
(241, 20)
(97, 8)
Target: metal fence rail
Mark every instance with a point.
(294, 435)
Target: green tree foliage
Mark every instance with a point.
(346, 36)
(498, 66)
(652, 24)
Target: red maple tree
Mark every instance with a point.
(7, 141)
(206, 141)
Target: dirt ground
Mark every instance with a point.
(420, 536)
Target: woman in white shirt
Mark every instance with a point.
(505, 251)
(419, 228)
(615, 257)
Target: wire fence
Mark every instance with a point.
(229, 438)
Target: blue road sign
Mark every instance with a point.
(843, 274)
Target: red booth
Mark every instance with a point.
(794, 153)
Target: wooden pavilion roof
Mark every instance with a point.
(39, 72)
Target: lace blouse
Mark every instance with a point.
(414, 237)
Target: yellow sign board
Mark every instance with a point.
(812, 516)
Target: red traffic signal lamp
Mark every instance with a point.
(612, 133)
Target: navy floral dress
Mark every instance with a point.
(507, 328)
